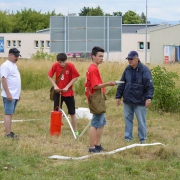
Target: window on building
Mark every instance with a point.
(9, 43)
(42, 43)
(141, 45)
(19, 43)
(48, 44)
(148, 45)
(14, 43)
(36, 44)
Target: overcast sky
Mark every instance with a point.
(160, 9)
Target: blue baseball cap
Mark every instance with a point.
(132, 54)
(15, 51)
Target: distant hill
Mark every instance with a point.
(159, 21)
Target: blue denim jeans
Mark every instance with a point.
(9, 106)
(140, 112)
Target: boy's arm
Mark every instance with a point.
(99, 86)
(70, 84)
(56, 88)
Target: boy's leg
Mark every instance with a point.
(56, 102)
(70, 103)
(97, 125)
(92, 136)
(95, 136)
(98, 135)
(74, 122)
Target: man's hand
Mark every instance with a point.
(118, 102)
(148, 102)
(9, 97)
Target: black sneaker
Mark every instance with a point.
(11, 135)
(100, 148)
(94, 150)
(128, 140)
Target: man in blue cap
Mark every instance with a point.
(137, 92)
(11, 89)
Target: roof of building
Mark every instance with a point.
(153, 28)
(126, 28)
(133, 28)
(166, 27)
(44, 31)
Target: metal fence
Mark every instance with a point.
(81, 33)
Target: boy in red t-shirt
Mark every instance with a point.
(94, 82)
(65, 85)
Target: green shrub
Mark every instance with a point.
(166, 95)
(79, 86)
(40, 54)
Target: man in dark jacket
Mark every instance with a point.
(137, 92)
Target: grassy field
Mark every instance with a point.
(27, 158)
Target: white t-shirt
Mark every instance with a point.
(10, 71)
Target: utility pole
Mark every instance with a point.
(146, 37)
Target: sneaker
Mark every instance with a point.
(77, 133)
(100, 148)
(11, 135)
(93, 150)
(128, 140)
(142, 142)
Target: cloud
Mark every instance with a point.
(161, 9)
(163, 13)
(9, 5)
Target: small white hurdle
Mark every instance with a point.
(84, 113)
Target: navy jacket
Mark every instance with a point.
(138, 85)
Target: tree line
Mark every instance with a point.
(30, 20)
(130, 17)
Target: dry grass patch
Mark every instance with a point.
(27, 158)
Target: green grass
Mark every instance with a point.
(27, 158)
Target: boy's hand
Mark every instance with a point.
(56, 88)
(65, 89)
(111, 83)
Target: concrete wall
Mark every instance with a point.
(28, 45)
(159, 38)
(129, 42)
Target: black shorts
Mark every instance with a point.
(69, 101)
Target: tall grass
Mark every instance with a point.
(166, 96)
(27, 158)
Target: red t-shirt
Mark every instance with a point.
(69, 73)
(93, 78)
